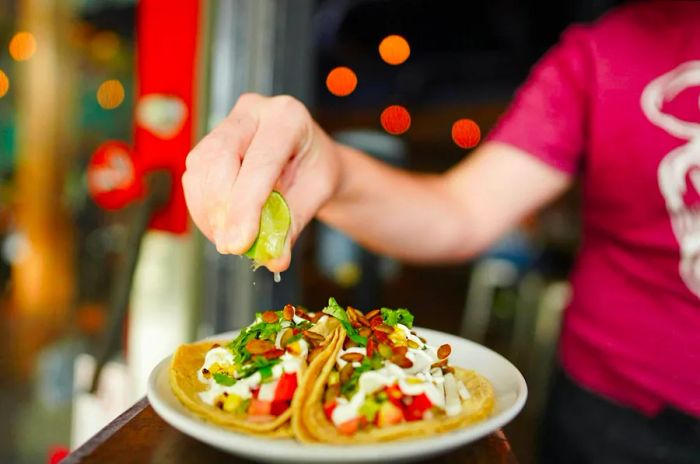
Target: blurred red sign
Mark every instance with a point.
(168, 35)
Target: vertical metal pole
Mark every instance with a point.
(259, 46)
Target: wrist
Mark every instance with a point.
(341, 157)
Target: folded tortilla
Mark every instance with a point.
(186, 386)
(309, 422)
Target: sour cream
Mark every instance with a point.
(241, 388)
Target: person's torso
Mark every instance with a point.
(635, 318)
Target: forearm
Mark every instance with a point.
(398, 213)
(439, 218)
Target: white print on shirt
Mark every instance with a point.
(679, 171)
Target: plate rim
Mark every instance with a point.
(255, 447)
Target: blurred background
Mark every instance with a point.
(101, 273)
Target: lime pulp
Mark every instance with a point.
(275, 221)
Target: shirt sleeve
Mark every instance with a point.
(548, 115)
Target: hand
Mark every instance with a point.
(265, 143)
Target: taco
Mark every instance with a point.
(248, 383)
(381, 382)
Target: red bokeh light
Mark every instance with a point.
(395, 119)
(466, 133)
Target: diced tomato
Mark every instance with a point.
(371, 347)
(389, 414)
(286, 386)
(394, 394)
(417, 407)
(349, 427)
(259, 408)
(278, 407)
(329, 407)
(380, 336)
(363, 422)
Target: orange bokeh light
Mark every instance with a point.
(4, 83)
(394, 49)
(395, 119)
(110, 94)
(466, 133)
(341, 81)
(22, 46)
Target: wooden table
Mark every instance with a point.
(139, 435)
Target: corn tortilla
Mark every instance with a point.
(310, 425)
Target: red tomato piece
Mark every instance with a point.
(389, 414)
(380, 336)
(259, 408)
(417, 408)
(329, 407)
(278, 407)
(349, 427)
(371, 347)
(394, 394)
(286, 386)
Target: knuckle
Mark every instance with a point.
(249, 97)
(186, 180)
(239, 126)
(191, 161)
(289, 105)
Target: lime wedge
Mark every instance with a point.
(275, 220)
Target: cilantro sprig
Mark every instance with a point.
(397, 316)
(224, 379)
(337, 311)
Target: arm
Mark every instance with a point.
(268, 143)
(456, 215)
(448, 217)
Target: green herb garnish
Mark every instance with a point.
(335, 310)
(244, 363)
(259, 364)
(224, 379)
(295, 337)
(397, 316)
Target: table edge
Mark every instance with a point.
(87, 448)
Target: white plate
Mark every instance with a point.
(508, 383)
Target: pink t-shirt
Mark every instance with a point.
(617, 103)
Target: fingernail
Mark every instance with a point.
(235, 242)
(219, 241)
